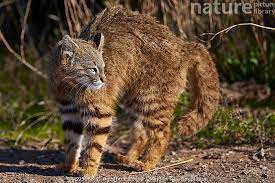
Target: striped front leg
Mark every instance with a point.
(98, 129)
(73, 127)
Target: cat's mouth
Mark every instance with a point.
(91, 84)
(95, 85)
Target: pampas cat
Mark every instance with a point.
(126, 57)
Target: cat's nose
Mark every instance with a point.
(102, 79)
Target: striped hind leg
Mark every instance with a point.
(159, 135)
(98, 128)
(155, 118)
(73, 127)
(139, 139)
(151, 150)
(150, 133)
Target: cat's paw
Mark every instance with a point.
(122, 158)
(88, 173)
(71, 168)
(141, 166)
(138, 165)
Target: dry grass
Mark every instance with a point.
(165, 167)
(77, 15)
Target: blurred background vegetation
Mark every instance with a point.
(245, 58)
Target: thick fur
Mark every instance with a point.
(146, 69)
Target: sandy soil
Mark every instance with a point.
(234, 164)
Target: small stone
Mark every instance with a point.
(264, 175)
(65, 179)
(189, 169)
(21, 162)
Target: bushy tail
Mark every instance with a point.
(203, 84)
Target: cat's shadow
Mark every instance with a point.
(43, 162)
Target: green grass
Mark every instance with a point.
(25, 112)
(237, 64)
(38, 133)
(233, 126)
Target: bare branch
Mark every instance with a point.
(19, 58)
(22, 36)
(233, 26)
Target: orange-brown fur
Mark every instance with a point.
(146, 68)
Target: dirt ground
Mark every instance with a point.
(234, 164)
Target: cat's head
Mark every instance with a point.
(81, 62)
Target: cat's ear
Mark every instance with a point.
(98, 39)
(68, 46)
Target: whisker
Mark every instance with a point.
(75, 91)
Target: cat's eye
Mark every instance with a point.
(93, 70)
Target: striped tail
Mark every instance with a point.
(204, 86)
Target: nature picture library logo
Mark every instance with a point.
(233, 8)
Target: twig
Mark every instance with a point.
(24, 25)
(233, 26)
(19, 58)
(59, 20)
(164, 167)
